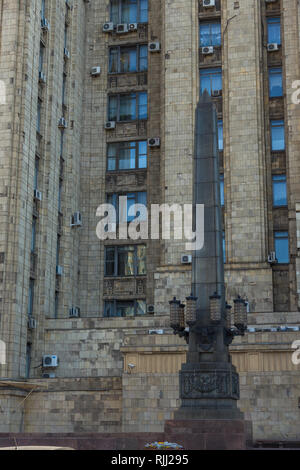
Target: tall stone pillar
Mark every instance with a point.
(247, 270)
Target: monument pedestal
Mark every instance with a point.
(209, 434)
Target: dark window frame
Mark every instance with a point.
(138, 20)
(116, 263)
(137, 104)
(137, 47)
(118, 157)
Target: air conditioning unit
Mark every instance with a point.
(110, 125)
(37, 195)
(209, 3)
(154, 142)
(63, 123)
(74, 312)
(59, 270)
(45, 25)
(150, 309)
(66, 53)
(272, 46)
(108, 27)
(154, 46)
(42, 77)
(133, 26)
(50, 375)
(95, 71)
(122, 28)
(31, 323)
(50, 361)
(272, 258)
(76, 220)
(207, 50)
(216, 93)
(186, 259)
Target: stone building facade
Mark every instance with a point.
(102, 307)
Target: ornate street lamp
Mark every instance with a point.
(191, 310)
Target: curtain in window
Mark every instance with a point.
(114, 12)
(113, 60)
(274, 30)
(277, 135)
(143, 11)
(128, 60)
(282, 247)
(143, 154)
(141, 260)
(143, 59)
(210, 34)
(279, 190)
(143, 106)
(129, 11)
(113, 108)
(126, 261)
(127, 153)
(140, 307)
(128, 107)
(111, 157)
(275, 82)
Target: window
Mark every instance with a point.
(38, 117)
(33, 235)
(279, 190)
(126, 308)
(277, 135)
(28, 360)
(56, 304)
(282, 247)
(128, 107)
(210, 34)
(132, 198)
(30, 297)
(222, 189)
(43, 9)
(224, 246)
(36, 174)
(127, 155)
(210, 80)
(41, 58)
(61, 143)
(64, 85)
(59, 196)
(129, 11)
(274, 30)
(57, 251)
(275, 82)
(125, 260)
(128, 59)
(220, 135)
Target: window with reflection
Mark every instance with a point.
(129, 11)
(128, 59)
(125, 260)
(124, 308)
(210, 34)
(128, 107)
(127, 155)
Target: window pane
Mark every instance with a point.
(143, 154)
(125, 261)
(113, 106)
(141, 260)
(143, 58)
(129, 11)
(274, 30)
(143, 11)
(211, 80)
(125, 309)
(205, 38)
(128, 60)
(127, 156)
(111, 157)
(277, 135)
(216, 34)
(220, 135)
(275, 82)
(109, 261)
(279, 190)
(222, 189)
(224, 247)
(113, 60)
(109, 310)
(140, 307)
(143, 108)
(282, 247)
(128, 107)
(114, 11)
